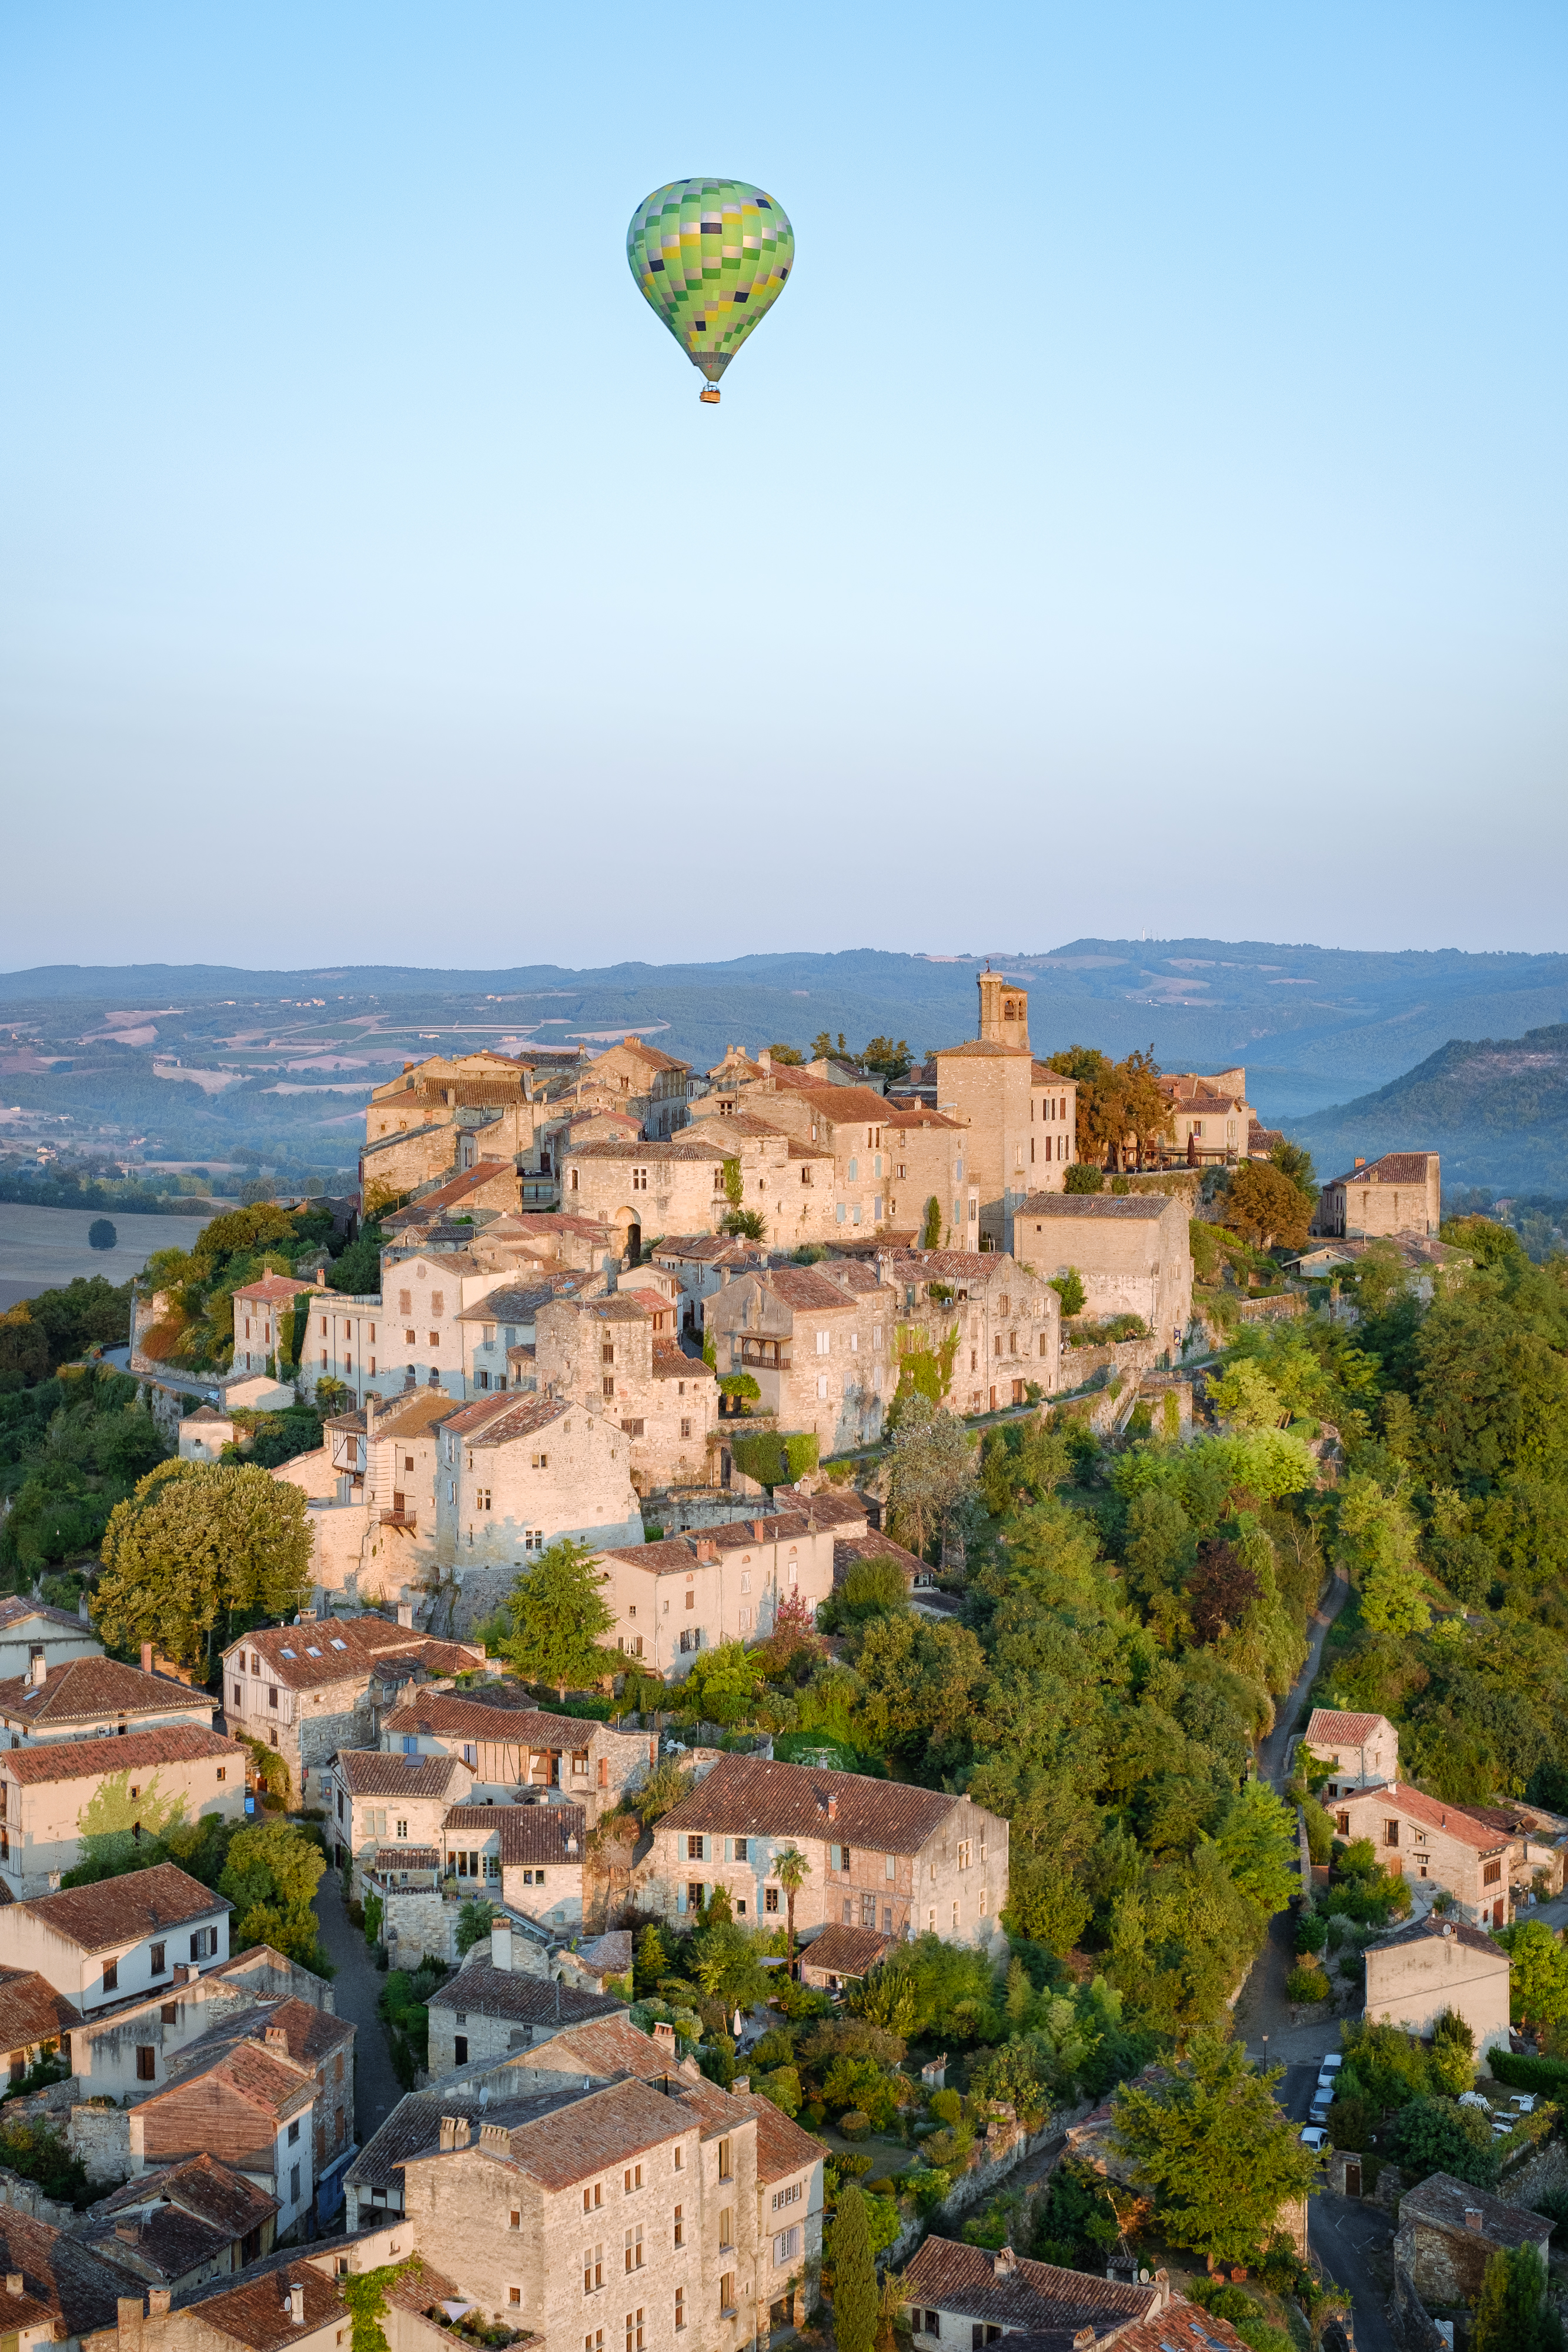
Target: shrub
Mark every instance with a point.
(1082, 1178)
(854, 2123)
(774, 1457)
(1311, 1932)
(1307, 1984)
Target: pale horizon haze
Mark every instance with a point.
(1143, 510)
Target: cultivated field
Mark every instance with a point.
(42, 1248)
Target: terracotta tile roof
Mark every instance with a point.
(500, 1421)
(505, 1712)
(60, 2277)
(848, 1549)
(606, 1956)
(544, 1223)
(31, 2009)
(214, 2192)
(89, 1759)
(1046, 1077)
(270, 2084)
(1452, 1819)
(481, 1990)
(1074, 1207)
(1517, 1821)
(449, 1195)
(670, 1362)
(644, 1052)
(803, 1289)
(782, 2147)
(606, 2128)
(683, 1148)
(526, 1833)
(1434, 1931)
(842, 1105)
(713, 1249)
(1444, 2201)
(845, 1951)
(257, 2312)
(468, 1093)
(946, 1266)
(1182, 2326)
(517, 1302)
(1328, 1724)
(675, 1553)
(87, 1690)
(1031, 2296)
(1394, 1167)
(983, 1049)
(276, 1289)
(123, 1910)
(754, 1797)
(13, 1610)
(407, 1857)
(413, 1413)
(343, 1649)
(310, 2034)
(908, 1118)
(367, 1772)
(853, 1275)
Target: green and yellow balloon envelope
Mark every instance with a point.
(712, 257)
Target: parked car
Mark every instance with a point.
(1314, 2137)
(1318, 2113)
(1331, 2064)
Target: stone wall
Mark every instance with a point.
(26, 2197)
(100, 2136)
(1538, 2172)
(1413, 2327)
(1013, 2146)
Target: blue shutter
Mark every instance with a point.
(681, 1896)
(728, 1852)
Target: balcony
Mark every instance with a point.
(407, 1521)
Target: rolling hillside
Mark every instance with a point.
(1497, 1109)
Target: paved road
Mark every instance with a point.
(1271, 1753)
(1353, 2242)
(357, 1987)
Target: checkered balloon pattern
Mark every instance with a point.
(711, 257)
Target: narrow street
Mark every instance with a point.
(357, 1988)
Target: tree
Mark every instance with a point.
(559, 1616)
(1101, 1123)
(1377, 1542)
(1265, 1207)
(889, 1060)
(1083, 1176)
(824, 1050)
(1146, 1109)
(1439, 2135)
(1069, 1286)
(931, 1231)
(195, 1543)
(1247, 1398)
(101, 1236)
(790, 1055)
(1295, 1163)
(1514, 2312)
(1537, 1973)
(745, 1224)
(1223, 1589)
(1219, 2157)
(270, 1877)
(931, 1472)
(1258, 1844)
(791, 1869)
(856, 2301)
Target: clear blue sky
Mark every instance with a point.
(1144, 507)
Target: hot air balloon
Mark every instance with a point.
(711, 256)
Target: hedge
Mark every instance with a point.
(773, 1457)
(1548, 2075)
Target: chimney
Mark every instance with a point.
(1473, 2216)
(832, 1808)
(454, 2131)
(764, 1058)
(277, 2039)
(1005, 2262)
(146, 1658)
(741, 2083)
(1162, 2289)
(158, 2299)
(664, 2036)
(405, 1613)
(128, 2310)
(371, 1403)
(297, 2303)
(501, 1947)
(37, 1670)
(1360, 1163)
(1083, 2340)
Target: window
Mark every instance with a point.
(726, 2160)
(1390, 1832)
(790, 2196)
(156, 1962)
(634, 2332)
(239, 1700)
(223, 1771)
(1492, 1871)
(889, 1865)
(540, 1462)
(608, 1385)
(822, 1385)
(146, 2063)
(727, 2229)
(743, 1849)
(460, 2049)
(680, 2306)
(771, 1898)
(294, 2134)
(635, 2249)
(694, 1848)
(726, 2302)
(594, 2270)
(933, 2324)
(824, 1342)
(402, 1829)
(965, 1852)
(1342, 1824)
(868, 1911)
(482, 1498)
(686, 1429)
(680, 2223)
(786, 2246)
(838, 1857)
(638, 1180)
(690, 1598)
(293, 2184)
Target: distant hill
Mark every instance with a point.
(1496, 1108)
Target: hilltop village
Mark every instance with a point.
(691, 1715)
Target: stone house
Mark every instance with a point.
(1002, 1323)
(54, 2291)
(305, 2049)
(1482, 1856)
(653, 1087)
(648, 1188)
(530, 1854)
(686, 1593)
(97, 1698)
(1021, 1117)
(29, 1630)
(313, 1688)
(1400, 1194)
(924, 1149)
(703, 1264)
(385, 1808)
(837, 1956)
(597, 2050)
(122, 1938)
(516, 1473)
(506, 1318)
(845, 1160)
(263, 1315)
(1212, 1123)
(54, 1794)
(291, 2297)
(1362, 1749)
(182, 2224)
(496, 2005)
(133, 2041)
(1415, 1972)
(34, 2018)
(959, 2295)
(205, 1434)
(818, 1350)
(511, 1748)
(1132, 1251)
(603, 2210)
(622, 1357)
(371, 1498)
(1448, 2231)
(905, 1861)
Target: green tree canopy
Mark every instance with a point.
(856, 2300)
(1219, 2154)
(560, 1617)
(1514, 2312)
(196, 1546)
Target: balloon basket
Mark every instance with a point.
(708, 395)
